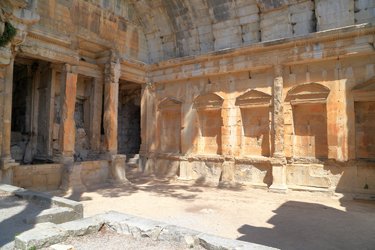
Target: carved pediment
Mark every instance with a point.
(308, 93)
(365, 91)
(253, 98)
(208, 101)
(169, 103)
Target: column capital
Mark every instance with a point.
(112, 71)
(278, 70)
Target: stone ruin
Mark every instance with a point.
(277, 94)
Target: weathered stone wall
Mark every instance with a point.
(96, 25)
(233, 142)
(38, 177)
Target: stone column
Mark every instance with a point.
(67, 100)
(278, 160)
(6, 90)
(110, 122)
(7, 114)
(111, 92)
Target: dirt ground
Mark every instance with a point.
(297, 220)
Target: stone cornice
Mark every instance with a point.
(263, 55)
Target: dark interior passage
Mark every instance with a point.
(129, 117)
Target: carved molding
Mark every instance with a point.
(208, 101)
(169, 103)
(253, 98)
(308, 93)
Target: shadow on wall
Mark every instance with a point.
(301, 225)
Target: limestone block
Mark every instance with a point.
(56, 215)
(43, 235)
(334, 13)
(83, 226)
(117, 166)
(207, 172)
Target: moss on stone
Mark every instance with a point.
(8, 34)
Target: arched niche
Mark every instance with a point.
(364, 109)
(255, 117)
(169, 125)
(309, 120)
(208, 107)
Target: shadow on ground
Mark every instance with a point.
(14, 213)
(301, 225)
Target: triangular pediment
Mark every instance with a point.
(253, 98)
(169, 103)
(208, 101)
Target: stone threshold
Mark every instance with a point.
(48, 234)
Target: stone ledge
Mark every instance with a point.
(43, 235)
(75, 207)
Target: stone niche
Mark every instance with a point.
(208, 108)
(255, 114)
(309, 120)
(170, 126)
(82, 114)
(364, 108)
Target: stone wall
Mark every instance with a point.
(43, 177)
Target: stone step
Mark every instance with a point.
(55, 215)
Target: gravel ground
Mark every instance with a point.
(110, 240)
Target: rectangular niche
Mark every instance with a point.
(256, 131)
(82, 115)
(255, 115)
(309, 110)
(208, 107)
(210, 123)
(310, 130)
(365, 129)
(170, 126)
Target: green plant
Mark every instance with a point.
(8, 34)
(32, 248)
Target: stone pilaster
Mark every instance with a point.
(278, 161)
(6, 91)
(111, 92)
(68, 100)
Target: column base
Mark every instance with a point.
(281, 189)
